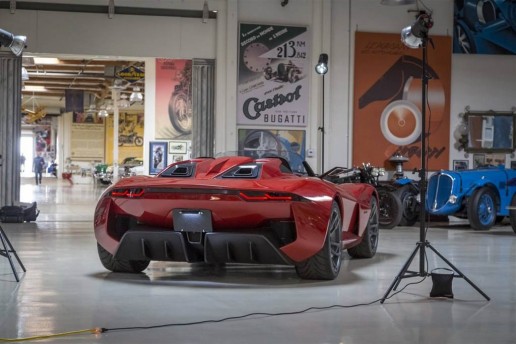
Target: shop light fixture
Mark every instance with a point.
(137, 95)
(35, 88)
(45, 60)
(123, 102)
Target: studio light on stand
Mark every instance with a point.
(416, 36)
(321, 68)
(15, 43)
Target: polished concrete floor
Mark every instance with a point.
(66, 289)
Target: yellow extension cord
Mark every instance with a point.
(96, 330)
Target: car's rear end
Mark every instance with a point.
(215, 211)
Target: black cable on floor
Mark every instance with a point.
(254, 314)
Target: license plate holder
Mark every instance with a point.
(192, 220)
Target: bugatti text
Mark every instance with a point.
(253, 108)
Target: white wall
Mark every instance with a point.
(481, 82)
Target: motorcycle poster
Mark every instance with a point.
(387, 107)
(130, 136)
(272, 75)
(173, 99)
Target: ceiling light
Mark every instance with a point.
(103, 113)
(412, 36)
(46, 60)
(398, 2)
(34, 88)
(137, 95)
(15, 43)
(123, 102)
(322, 66)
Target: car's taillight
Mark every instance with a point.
(127, 193)
(258, 196)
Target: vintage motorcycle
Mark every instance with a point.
(130, 139)
(391, 210)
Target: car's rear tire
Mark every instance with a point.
(482, 209)
(390, 209)
(369, 244)
(325, 265)
(512, 213)
(120, 265)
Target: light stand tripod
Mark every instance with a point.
(423, 244)
(6, 249)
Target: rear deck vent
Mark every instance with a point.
(181, 171)
(243, 171)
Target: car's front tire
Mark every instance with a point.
(120, 265)
(369, 244)
(325, 265)
(482, 209)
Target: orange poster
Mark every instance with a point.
(387, 116)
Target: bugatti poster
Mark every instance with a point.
(387, 116)
(272, 75)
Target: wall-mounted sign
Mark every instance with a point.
(131, 74)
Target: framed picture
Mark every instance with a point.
(158, 156)
(479, 160)
(177, 158)
(177, 147)
(460, 165)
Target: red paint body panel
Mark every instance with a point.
(206, 188)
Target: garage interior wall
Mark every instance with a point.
(482, 82)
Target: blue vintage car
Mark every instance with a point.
(481, 195)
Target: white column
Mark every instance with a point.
(116, 115)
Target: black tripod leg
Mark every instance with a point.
(12, 250)
(6, 251)
(458, 272)
(400, 275)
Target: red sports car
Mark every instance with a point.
(236, 209)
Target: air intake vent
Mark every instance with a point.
(243, 171)
(179, 171)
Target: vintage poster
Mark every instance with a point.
(130, 137)
(272, 75)
(387, 116)
(173, 99)
(289, 144)
(87, 141)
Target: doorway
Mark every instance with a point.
(27, 151)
